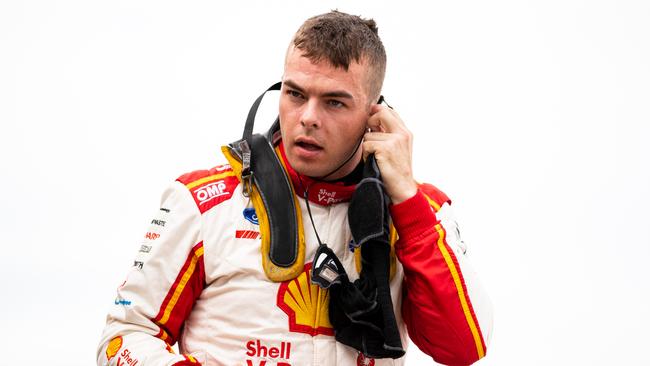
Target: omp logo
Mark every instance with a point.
(211, 191)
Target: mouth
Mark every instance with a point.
(308, 144)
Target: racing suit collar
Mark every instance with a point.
(320, 192)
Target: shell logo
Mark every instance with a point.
(306, 304)
(113, 347)
(364, 361)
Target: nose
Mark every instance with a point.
(310, 117)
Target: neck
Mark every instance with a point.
(352, 178)
(346, 168)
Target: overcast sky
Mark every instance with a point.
(533, 116)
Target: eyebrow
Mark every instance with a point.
(330, 94)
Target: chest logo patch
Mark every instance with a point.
(306, 305)
(113, 347)
(365, 361)
(251, 215)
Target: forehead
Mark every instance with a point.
(322, 77)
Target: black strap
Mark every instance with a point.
(362, 311)
(250, 120)
(244, 146)
(275, 189)
(261, 166)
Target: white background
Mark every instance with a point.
(533, 116)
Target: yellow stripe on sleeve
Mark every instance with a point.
(432, 203)
(461, 292)
(181, 285)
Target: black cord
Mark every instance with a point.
(345, 162)
(306, 196)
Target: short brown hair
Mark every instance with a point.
(341, 38)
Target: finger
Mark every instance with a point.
(395, 139)
(368, 147)
(377, 121)
(374, 121)
(386, 120)
(377, 136)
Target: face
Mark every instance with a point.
(323, 114)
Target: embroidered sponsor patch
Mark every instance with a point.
(365, 361)
(158, 222)
(210, 187)
(119, 301)
(154, 232)
(151, 236)
(326, 197)
(211, 191)
(210, 194)
(251, 215)
(126, 359)
(247, 234)
(258, 349)
(306, 305)
(113, 347)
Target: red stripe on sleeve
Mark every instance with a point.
(180, 298)
(434, 193)
(432, 306)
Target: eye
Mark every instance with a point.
(294, 94)
(335, 103)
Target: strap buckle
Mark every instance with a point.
(246, 172)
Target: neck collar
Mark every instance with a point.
(320, 192)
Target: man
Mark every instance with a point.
(203, 276)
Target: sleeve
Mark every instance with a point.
(159, 292)
(446, 310)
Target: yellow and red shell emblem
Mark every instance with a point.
(113, 347)
(364, 361)
(306, 304)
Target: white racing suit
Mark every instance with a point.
(198, 279)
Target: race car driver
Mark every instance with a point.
(199, 277)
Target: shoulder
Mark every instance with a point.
(434, 196)
(210, 187)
